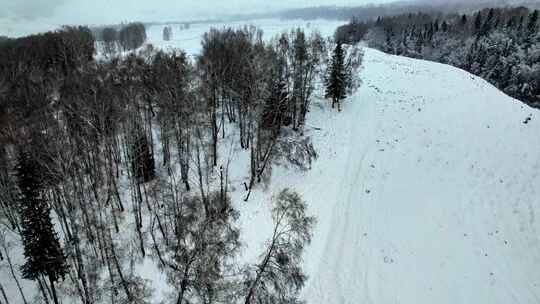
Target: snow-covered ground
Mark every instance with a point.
(425, 189)
(189, 39)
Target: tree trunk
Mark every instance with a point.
(215, 131)
(261, 268)
(119, 269)
(13, 275)
(43, 290)
(4, 294)
(53, 289)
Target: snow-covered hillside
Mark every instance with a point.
(425, 189)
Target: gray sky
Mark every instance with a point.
(19, 17)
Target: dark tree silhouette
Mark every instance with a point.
(336, 82)
(143, 159)
(42, 249)
(132, 36)
(167, 33)
(110, 39)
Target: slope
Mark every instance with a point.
(426, 191)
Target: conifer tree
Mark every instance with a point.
(444, 26)
(336, 81)
(42, 249)
(143, 159)
(478, 22)
(463, 20)
(532, 24)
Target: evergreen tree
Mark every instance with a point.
(532, 24)
(487, 25)
(444, 26)
(419, 43)
(42, 249)
(478, 22)
(336, 82)
(463, 20)
(143, 159)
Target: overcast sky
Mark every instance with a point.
(19, 17)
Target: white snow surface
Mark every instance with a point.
(425, 189)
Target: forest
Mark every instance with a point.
(501, 45)
(106, 163)
(372, 11)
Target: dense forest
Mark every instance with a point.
(501, 45)
(107, 163)
(371, 11)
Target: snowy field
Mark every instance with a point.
(189, 39)
(426, 187)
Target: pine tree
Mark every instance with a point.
(444, 26)
(336, 82)
(463, 21)
(532, 24)
(143, 159)
(478, 22)
(530, 31)
(488, 23)
(42, 249)
(419, 43)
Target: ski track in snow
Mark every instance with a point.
(425, 190)
(437, 198)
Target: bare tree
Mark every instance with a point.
(278, 277)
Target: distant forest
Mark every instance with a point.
(501, 45)
(371, 12)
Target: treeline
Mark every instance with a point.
(52, 52)
(123, 157)
(126, 37)
(500, 45)
(371, 12)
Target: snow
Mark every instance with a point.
(425, 190)
(189, 39)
